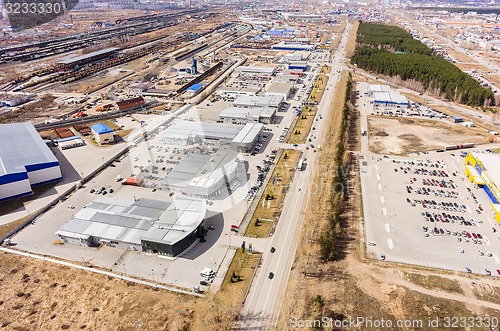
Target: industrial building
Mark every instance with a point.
(280, 89)
(255, 71)
(292, 46)
(272, 101)
(188, 133)
(245, 115)
(204, 176)
(390, 99)
(301, 65)
(248, 137)
(374, 88)
(483, 169)
(152, 226)
(236, 91)
(194, 89)
(130, 103)
(26, 161)
(14, 101)
(73, 62)
(102, 134)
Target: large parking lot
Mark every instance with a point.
(422, 210)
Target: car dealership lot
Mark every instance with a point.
(422, 210)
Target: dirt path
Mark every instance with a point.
(381, 281)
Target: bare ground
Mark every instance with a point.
(402, 135)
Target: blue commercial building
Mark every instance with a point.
(301, 65)
(25, 161)
(102, 133)
(195, 89)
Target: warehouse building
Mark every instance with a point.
(483, 170)
(130, 103)
(73, 62)
(292, 46)
(26, 161)
(152, 226)
(280, 89)
(248, 137)
(390, 99)
(194, 89)
(102, 134)
(255, 71)
(245, 115)
(301, 65)
(189, 133)
(204, 176)
(374, 88)
(272, 101)
(236, 91)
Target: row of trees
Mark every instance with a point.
(329, 240)
(375, 52)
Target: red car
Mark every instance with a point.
(467, 234)
(474, 235)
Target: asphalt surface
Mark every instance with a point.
(261, 309)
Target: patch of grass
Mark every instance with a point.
(240, 270)
(303, 125)
(487, 292)
(124, 133)
(306, 119)
(432, 282)
(267, 211)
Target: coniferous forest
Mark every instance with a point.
(391, 51)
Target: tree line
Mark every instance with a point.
(377, 47)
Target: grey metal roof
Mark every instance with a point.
(182, 218)
(72, 59)
(171, 223)
(21, 145)
(249, 133)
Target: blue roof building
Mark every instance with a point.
(102, 133)
(101, 128)
(195, 88)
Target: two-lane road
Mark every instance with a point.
(261, 309)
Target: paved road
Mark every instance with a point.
(261, 309)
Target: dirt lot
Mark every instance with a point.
(402, 135)
(53, 297)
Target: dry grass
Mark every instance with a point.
(351, 42)
(303, 125)
(306, 119)
(335, 42)
(218, 312)
(267, 211)
(54, 297)
(433, 282)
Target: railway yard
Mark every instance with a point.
(181, 150)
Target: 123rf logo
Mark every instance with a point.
(25, 14)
